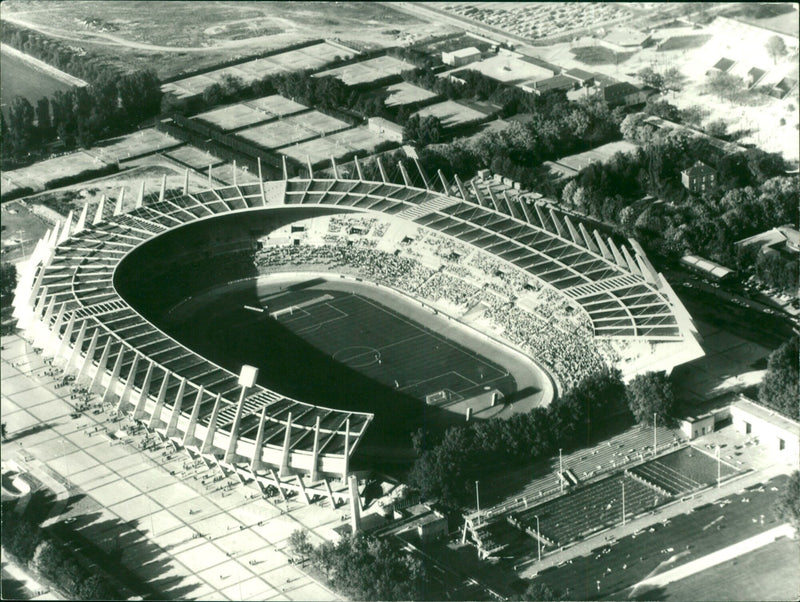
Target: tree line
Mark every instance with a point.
(114, 102)
(781, 384)
(32, 546)
(447, 465)
(364, 567)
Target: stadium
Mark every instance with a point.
(115, 298)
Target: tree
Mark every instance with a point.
(788, 504)
(651, 394)
(776, 48)
(8, 279)
(651, 78)
(20, 125)
(541, 591)
(299, 544)
(779, 389)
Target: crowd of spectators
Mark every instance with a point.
(548, 327)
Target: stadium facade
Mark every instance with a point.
(67, 303)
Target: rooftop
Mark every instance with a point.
(724, 64)
(701, 263)
(698, 169)
(767, 415)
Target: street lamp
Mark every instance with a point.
(538, 537)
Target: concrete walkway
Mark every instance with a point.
(706, 562)
(40, 591)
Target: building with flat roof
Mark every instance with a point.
(557, 82)
(462, 56)
(706, 267)
(783, 239)
(775, 432)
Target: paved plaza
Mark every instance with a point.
(180, 539)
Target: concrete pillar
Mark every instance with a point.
(330, 493)
(255, 462)
(287, 443)
(98, 214)
(126, 392)
(469, 414)
(114, 380)
(334, 168)
(172, 425)
(310, 171)
(261, 181)
(355, 504)
(87, 361)
(315, 454)
(120, 199)
(208, 442)
(188, 436)
(138, 411)
(495, 398)
(285, 170)
(63, 346)
(422, 173)
(233, 170)
(230, 454)
(101, 365)
(66, 230)
(55, 235)
(358, 169)
(381, 169)
(82, 219)
(210, 185)
(404, 173)
(277, 481)
(76, 350)
(445, 185)
(163, 190)
(140, 197)
(55, 332)
(155, 417)
(303, 491)
(186, 181)
(462, 189)
(42, 338)
(346, 468)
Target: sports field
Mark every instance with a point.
(133, 145)
(768, 573)
(17, 78)
(451, 113)
(346, 351)
(609, 571)
(292, 129)
(337, 145)
(368, 71)
(389, 348)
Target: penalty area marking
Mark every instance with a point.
(350, 356)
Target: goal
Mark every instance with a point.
(438, 397)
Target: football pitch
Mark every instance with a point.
(386, 346)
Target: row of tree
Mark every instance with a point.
(32, 546)
(447, 466)
(364, 568)
(112, 104)
(780, 389)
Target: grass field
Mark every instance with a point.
(342, 351)
(368, 71)
(39, 174)
(687, 537)
(194, 157)
(390, 348)
(17, 78)
(133, 145)
(276, 105)
(451, 113)
(768, 573)
(405, 93)
(599, 55)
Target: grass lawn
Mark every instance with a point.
(600, 55)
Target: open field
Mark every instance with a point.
(36, 176)
(508, 69)
(599, 55)
(176, 37)
(292, 129)
(21, 230)
(768, 573)
(133, 145)
(368, 71)
(18, 78)
(194, 157)
(451, 113)
(404, 94)
(337, 145)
